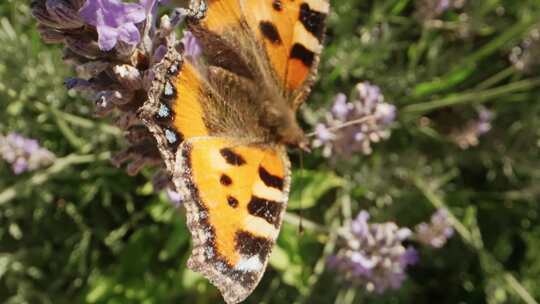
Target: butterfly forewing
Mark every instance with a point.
(289, 31)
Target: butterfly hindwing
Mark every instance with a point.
(238, 196)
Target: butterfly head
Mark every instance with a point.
(284, 128)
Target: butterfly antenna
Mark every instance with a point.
(347, 124)
(301, 213)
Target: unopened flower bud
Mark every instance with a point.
(104, 105)
(50, 35)
(91, 69)
(126, 120)
(84, 47)
(40, 12)
(128, 76)
(64, 13)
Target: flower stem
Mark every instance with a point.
(472, 97)
(39, 178)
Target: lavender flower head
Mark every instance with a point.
(469, 135)
(374, 255)
(436, 233)
(524, 57)
(431, 9)
(24, 154)
(357, 137)
(114, 46)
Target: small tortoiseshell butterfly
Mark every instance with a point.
(223, 123)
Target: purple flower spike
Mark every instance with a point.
(114, 20)
(374, 255)
(24, 154)
(436, 233)
(469, 136)
(369, 104)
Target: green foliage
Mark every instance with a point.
(83, 231)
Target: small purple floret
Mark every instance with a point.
(115, 20)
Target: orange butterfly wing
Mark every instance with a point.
(174, 110)
(239, 194)
(290, 31)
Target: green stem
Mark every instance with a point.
(471, 97)
(493, 80)
(519, 289)
(328, 249)
(295, 220)
(41, 177)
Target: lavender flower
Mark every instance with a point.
(24, 154)
(431, 9)
(525, 56)
(469, 136)
(114, 20)
(357, 137)
(374, 255)
(436, 233)
(191, 45)
(117, 82)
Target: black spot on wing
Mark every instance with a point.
(249, 245)
(312, 20)
(225, 180)
(270, 32)
(232, 157)
(265, 209)
(269, 179)
(232, 201)
(277, 5)
(303, 54)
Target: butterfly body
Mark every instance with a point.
(223, 122)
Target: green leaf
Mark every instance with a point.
(190, 279)
(279, 259)
(161, 211)
(176, 240)
(448, 81)
(309, 186)
(102, 286)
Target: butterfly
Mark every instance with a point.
(223, 124)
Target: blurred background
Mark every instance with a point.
(448, 174)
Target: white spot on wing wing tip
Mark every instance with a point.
(251, 264)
